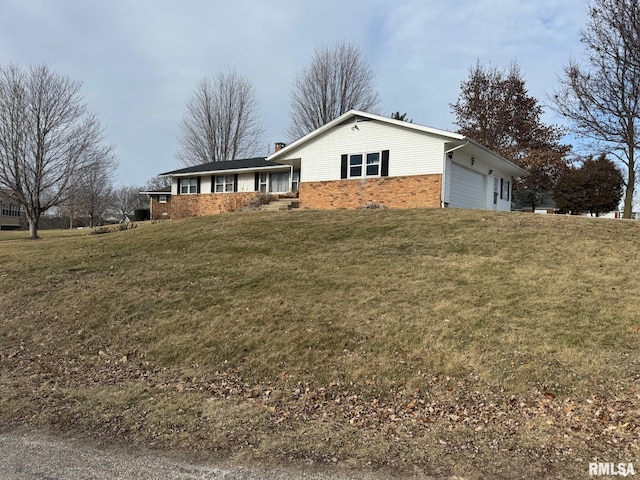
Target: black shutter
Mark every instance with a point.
(198, 188)
(235, 182)
(344, 167)
(384, 168)
(256, 184)
(179, 186)
(213, 184)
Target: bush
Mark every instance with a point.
(142, 214)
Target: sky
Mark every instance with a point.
(139, 60)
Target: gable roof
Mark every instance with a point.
(256, 163)
(461, 140)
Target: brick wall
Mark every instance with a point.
(419, 191)
(181, 206)
(158, 209)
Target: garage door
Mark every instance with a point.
(467, 188)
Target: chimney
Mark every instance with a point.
(280, 146)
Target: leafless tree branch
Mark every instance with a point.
(602, 98)
(337, 80)
(47, 135)
(221, 122)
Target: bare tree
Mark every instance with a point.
(46, 134)
(337, 80)
(222, 121)
(157, 183)
(602, 99)
(94, 187)
(127, 198)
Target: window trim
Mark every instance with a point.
(295, 180)
(227, 183)
(191, 184)
(364, 164)
(349, 169)
(263, 182)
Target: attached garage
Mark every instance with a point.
(467, 188)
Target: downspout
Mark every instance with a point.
(444, 169)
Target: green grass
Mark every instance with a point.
(376, 339)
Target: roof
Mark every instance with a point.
(413, 126)
(257, 163)
(159, 191)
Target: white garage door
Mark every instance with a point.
(467, 188)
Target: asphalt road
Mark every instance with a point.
(31, 455)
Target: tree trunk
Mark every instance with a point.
(631, 183)
(33, 228)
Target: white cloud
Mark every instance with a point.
(139, 61)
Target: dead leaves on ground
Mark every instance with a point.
(453, 408)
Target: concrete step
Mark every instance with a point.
(281, 204)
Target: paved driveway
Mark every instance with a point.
(28, 455)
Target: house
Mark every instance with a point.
(357, 160)
(10, 213)
(159, 203)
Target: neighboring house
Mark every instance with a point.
(545, 204)
(159, 203)
(354, 161)
(10, 213)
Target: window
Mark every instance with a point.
(295, 181)
(263, 183)
(373, 164)
(279, 182)
(189, 185)
(358, 165)
(10, 210)
(496, 190)
(355, 165)
(224, 183)
(162, 198)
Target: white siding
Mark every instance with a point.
(410, 152)
(246, 182)
(205, 184)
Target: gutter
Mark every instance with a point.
(223, 172)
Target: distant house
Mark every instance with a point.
(10, 213)
(545, 203)
(357, 160)
(159, 204)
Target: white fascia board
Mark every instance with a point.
(518, 171)
(224, 172)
